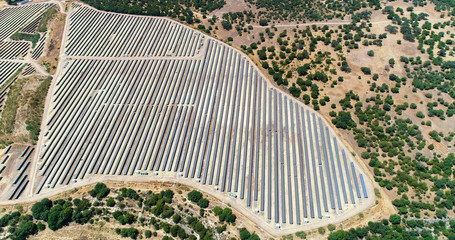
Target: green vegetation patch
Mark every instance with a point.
(171, 8)
(33, 38)
(36, 108)
(310, 9)
(8, 116)
(48, 15)
(159, 215)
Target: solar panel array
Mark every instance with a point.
(20, 182)
(116, 35)
(12, 18)
(28, 70)
(39, 47)
(209, 116)
(7, 69)
(32, 27)
(13, 50)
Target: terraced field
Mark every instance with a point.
(148, 98)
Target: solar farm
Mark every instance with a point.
(13, 19)
(16, 165)
(149, 99)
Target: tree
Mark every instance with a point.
(231, 218)
(391, 29)
(168, 211)
(174, 230)
(338, 235)
(110, 202)
(395, 219)
(306, 55)
(157, 210)
(100, 191)
(262, 55)
(406, 30)
(221, 229)
(40, 210)
(441, 213)
(321, 230)
(420, 114)
(176, 218)
(303, 70)
(391, 62)
(227, 215)
(203, 203)
(344, 120)
(314, 91)
(345, 67)
(370, 53)
(129, 232)
(366, 70)
(263, 22)
(24, 230)
(295, 91)
(194, 196)
(59, 217)
(4, 220)
(301, 234)
(217, 210)
(244, 234)
(319, 76)
(129, 193)
(40, 226)
(189, 19)
(124, 217)
(226, 25)
(306, 99)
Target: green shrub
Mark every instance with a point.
(263, 22)
(194, 196)
(395, 219)
(42, 26)
(100, 191)
(203, 203)
(34, 38)
(226, 25)
(366, 70)
(321, 230)
(420, 114)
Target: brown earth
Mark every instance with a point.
(52, 51)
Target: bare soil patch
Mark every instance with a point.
(52, 51)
